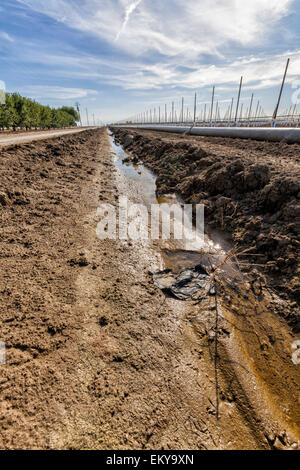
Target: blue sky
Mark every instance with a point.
(122, 57)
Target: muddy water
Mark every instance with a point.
(176, 254)
(255, 343)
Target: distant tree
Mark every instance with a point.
(34, 110)
(54, 118)
(72, 111)
(45, 117)
(24, 116)
(8, 115)
(22, 112)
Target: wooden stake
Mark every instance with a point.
(238, 102)
(280, 94)
(212, 106)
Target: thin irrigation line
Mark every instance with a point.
(216, 353)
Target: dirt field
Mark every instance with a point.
(97, 356)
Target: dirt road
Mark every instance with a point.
(21, 137)
(96, 355)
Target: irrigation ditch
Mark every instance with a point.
(248, 258)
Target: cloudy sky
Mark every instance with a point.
(122, 57)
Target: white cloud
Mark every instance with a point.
(169, 45)
(188, 28)
(56, 92)
(128, 12)
(258, 73)
(5, 36)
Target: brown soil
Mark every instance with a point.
(97, 356)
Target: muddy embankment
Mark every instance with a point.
(250, 189)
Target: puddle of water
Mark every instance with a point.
(138, 173)
(176, 254)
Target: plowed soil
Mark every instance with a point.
(97, 357)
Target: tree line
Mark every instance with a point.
(25, 113)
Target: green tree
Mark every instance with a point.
(22, 112)
(45, 117)
(34, 112)
(72, 111)
(8, 115)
